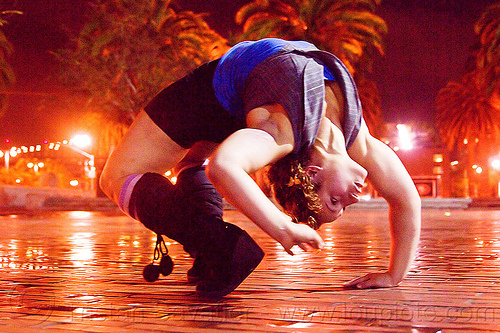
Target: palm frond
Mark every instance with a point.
(464, 113)
(250, 9)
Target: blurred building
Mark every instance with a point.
(420, 149)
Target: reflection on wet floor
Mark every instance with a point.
(70, 239)
(84, 269)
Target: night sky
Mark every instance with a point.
(427, 46)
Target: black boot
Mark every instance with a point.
(223, 263)
(230, 266)
(190, 212)
(218, 268)
(200, 269)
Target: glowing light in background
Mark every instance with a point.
(79, 214)
(170, 176)
(404, 137)
(438, 158)
(495, 164)
(81, 141)
(477, 168)
(365, 197)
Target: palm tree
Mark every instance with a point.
(464, 121)
(130, 50)
(465, 114)
(347, 28)
(487, 29)
(469, 110)
(7, 76)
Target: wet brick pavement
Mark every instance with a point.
(81, 272)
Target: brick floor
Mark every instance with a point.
(81, 272)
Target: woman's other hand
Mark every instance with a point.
(301, 235)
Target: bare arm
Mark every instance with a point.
(245, 152)
(394, 184)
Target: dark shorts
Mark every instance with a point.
(188, 111)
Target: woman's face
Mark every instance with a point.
(339, 185)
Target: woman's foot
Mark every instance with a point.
(226, 273)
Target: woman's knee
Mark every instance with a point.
(111, 183)
(144, 148)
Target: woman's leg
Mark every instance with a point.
(144, 148)
(227, 254)
(189, 212)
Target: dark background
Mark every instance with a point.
(427, 45)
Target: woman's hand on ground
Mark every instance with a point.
(303, 236)
(372, 280)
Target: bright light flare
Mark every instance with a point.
(81, 141)
(404, 137)
(366, 197)
(78, 214)
(495, 164)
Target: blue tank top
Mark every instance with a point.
(236, 64)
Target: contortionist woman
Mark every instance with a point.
(268, 102)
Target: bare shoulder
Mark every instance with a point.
(360, 149)
(273, 119)
(386, 172)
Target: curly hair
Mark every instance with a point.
(294, 190)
